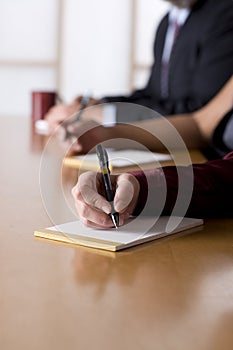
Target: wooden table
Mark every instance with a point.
(172, 294)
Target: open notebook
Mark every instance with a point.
(117, 159)
(137, 231)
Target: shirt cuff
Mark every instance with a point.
(109, 115)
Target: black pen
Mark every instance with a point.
(104, 166)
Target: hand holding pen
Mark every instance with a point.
(59, 113)
(67, 134)
(92, 206)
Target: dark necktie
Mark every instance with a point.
(165, 65)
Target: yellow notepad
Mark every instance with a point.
(117, 159)
(136, 231)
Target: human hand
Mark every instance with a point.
(90, 202)
(59, 113)
(87, 134)
(62, 112)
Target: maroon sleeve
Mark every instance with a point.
(212, 188)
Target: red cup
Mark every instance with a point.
(42, 101)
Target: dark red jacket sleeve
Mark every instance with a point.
(212, 188)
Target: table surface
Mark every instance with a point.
(174, 293)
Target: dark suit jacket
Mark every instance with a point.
(200, 64)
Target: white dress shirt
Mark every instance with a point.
(179, 16)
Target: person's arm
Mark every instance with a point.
(62, 112)
(208, 117)
(212, 188)
(192, 129)
(196, 129)
(211, 196)
(153, 134)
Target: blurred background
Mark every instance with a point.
(74, 47)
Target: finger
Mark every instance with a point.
(92, 207)
(58, 114)
(86, 191)
(127, 193)
(94, 199)
(100, 221)
(124, 193)
(108, 223)
(93, 217)
(55, 118)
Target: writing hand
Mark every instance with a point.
(90, 202)
(61, 112)
(58, 114)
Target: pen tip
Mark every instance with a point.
(115, 221)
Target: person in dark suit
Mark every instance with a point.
(200, 61)
(209, 129)
(193, 55)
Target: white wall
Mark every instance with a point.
(96, 47)
(94, 40)
(27, 52)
